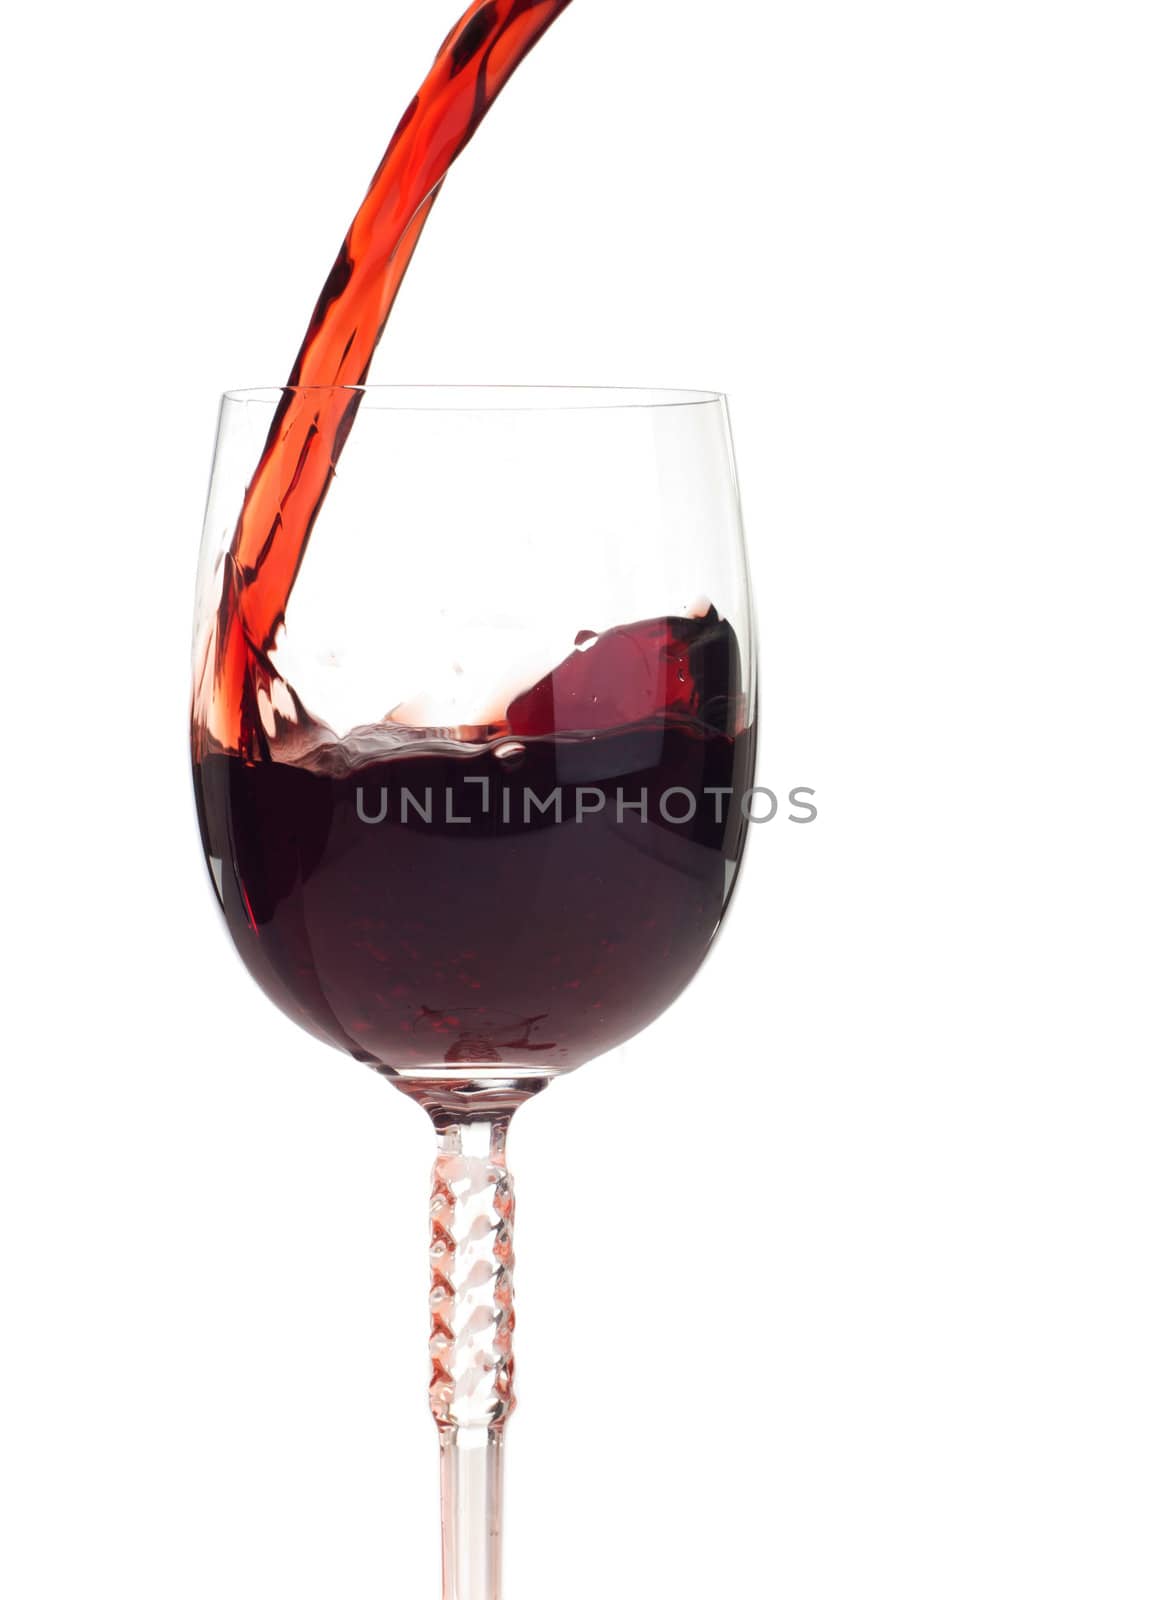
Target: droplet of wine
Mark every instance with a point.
(511, 754)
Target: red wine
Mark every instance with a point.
(530, 900)
(312, 423)
(534, 892)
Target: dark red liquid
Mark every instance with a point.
(528, 901)
(551, 884)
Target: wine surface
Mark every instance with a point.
(528, 901)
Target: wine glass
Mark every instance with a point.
(474, 794)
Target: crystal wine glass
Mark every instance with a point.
(473, 784)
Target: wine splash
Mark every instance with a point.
(309, 430)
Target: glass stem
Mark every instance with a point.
(471, 1305)
(471, 1513)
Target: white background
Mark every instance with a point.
(846, 1279)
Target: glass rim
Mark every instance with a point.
(488, 397)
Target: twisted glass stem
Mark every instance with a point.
(471, 1307)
